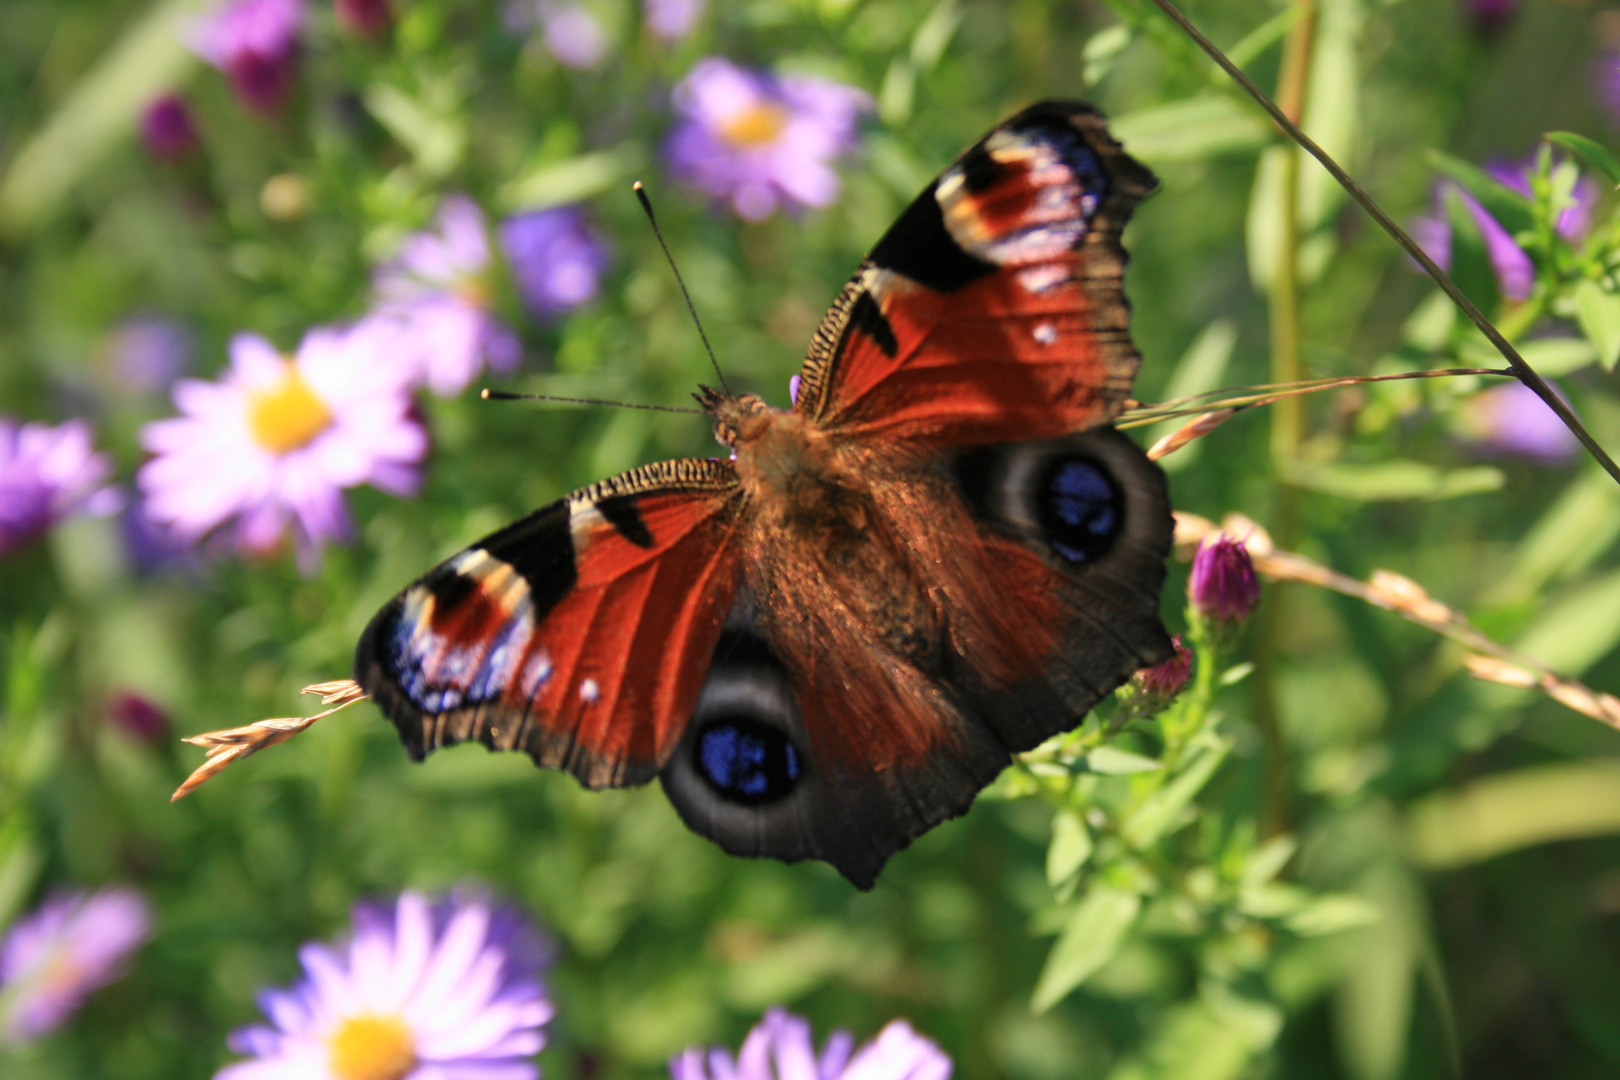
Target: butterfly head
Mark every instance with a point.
(741, 419)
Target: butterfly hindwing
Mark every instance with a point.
(579, 633)
(993, 309)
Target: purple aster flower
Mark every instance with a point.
(364, 18)
(573, 35)
(779, 1048)
(672, 19)
(451, 992)
(1515, 273)
(556, 261)
(1576, 219)
(437, 291)
(47, 473)
(167, 130)
(51, 960)
(255, 43)
(148, 352)
(760, 141)
(1223, 586)
(1510, 420)
(277, 439)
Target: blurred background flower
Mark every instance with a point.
(780, 1048)
(758, 141)
(52, 959)
(146, 353)
(365, 18)
(672, 19)
(47, 473)
(167, 129)
(138, 716)
(556, 260)
(255, 43)
(1515, 273)
(1510, 420)
(437, 293)
(573, 34)
(276, 441)
(419, 992)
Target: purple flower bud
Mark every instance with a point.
(363, 18)
(1510, 420)
(137, 717)
(255, 43)
(1489, 14)
(167, 130)
(1223, 587)
(1158, 685)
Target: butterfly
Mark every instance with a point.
(940, 555)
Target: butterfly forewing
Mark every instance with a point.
(579, 633)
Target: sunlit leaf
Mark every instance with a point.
(1593, 153)
(1089, 940)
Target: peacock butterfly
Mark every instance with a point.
(940, 555)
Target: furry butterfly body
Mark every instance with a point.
(941, 555)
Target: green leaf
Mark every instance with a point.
(1200, 370)
(1112, 761)
(1578, 629)
(1331, 914)
(1070, 848)
(1101, 50)
(1598, 313)
(1593, 153)
(1159, 810)
(1511, 209)
(436, 140)
(1515, 810)
(1396, 480)
(1191, 130)
(560, 182)
(1089, 940)
(1553, 356)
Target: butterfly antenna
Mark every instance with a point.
(506, 395)
(646, 206)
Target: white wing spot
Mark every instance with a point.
(1046, 333)
(589, 691)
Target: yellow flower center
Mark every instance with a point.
(287, 415)
(372, 1048)
(756, 125)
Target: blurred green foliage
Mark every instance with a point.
(1346, 860)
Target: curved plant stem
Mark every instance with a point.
(1524, 371)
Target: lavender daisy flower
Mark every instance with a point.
(47, 473)
(556, 261)
(1510, 420)
(167, 130)
(437, 291)
(451, 992)
(672, 19)
(51, 960)
(277, 439)
(779, 1048)
(255, 43)
(760, 141)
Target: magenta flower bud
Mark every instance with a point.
(1158, 685)
(137, 717)
(363, 18)
(1223, 587)
(255, 43)
(167, 130)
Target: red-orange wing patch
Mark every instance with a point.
(581, 633)
(992, 311)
